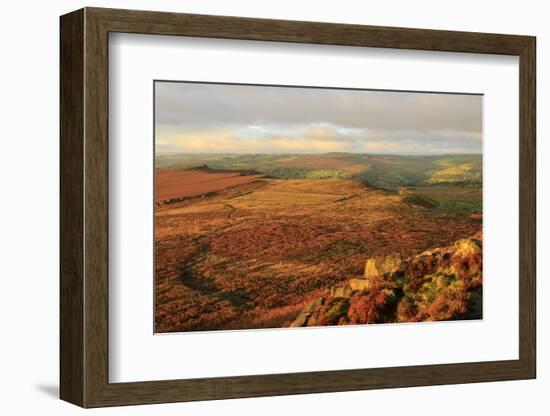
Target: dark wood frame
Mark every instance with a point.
(84, 207)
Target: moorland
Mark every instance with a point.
(262, 241)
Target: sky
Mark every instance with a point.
(231, 118)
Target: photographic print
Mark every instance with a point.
(289, 206)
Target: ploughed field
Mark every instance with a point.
(248, 251)
(175, 184)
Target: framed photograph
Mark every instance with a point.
(254, 207)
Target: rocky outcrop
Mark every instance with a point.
(444, 283)
(383, 266)
(467, 247)
(360, 284)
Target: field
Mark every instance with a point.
(178, 184)
(236, 248)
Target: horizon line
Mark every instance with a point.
(310, 153)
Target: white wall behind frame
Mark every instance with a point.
(30, 72)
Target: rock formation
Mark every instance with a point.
(444, 283)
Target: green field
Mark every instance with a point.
(456, 199)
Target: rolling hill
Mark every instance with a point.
(384, 171)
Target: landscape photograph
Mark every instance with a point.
(288, 206)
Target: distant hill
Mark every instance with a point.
(207, 169)
(384, 171)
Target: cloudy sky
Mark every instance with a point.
(217, 118)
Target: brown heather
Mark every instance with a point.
(256, 254)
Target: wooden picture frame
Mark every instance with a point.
(84, 207)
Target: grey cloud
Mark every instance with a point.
(448, 121)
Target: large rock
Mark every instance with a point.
(467, 247)
(360, 285)
(300, 320)
(341, 292)
(337, 308)
(383, 266)
(314, 306)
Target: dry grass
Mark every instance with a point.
(322, 162)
